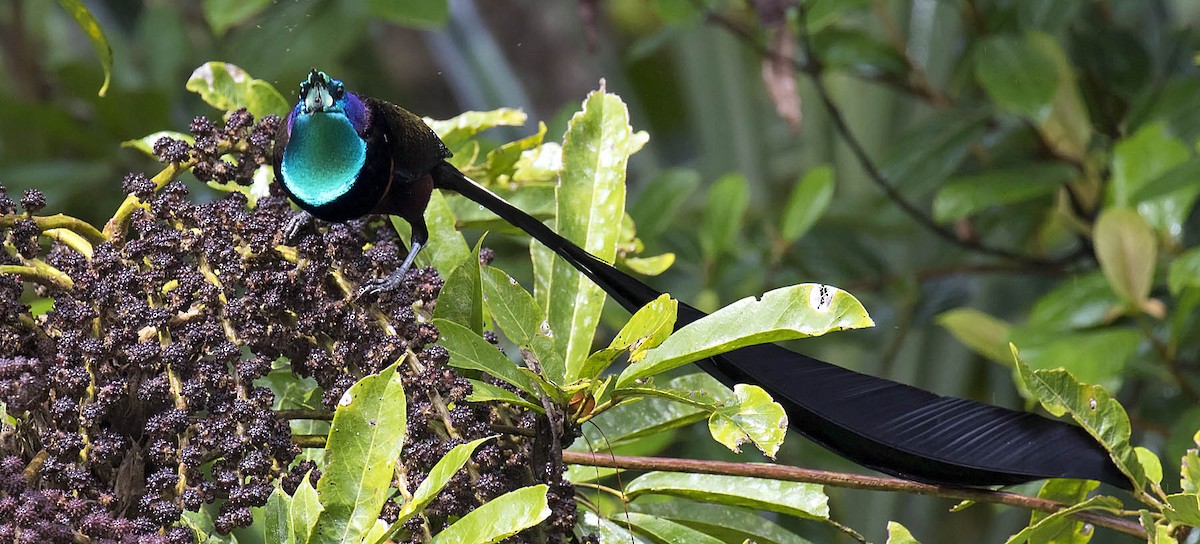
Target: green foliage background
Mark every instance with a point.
(1031, 128)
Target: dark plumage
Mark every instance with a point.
(885, 425)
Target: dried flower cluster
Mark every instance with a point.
(144, 392)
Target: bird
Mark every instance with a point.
(340, 156)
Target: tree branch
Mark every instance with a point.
(846, 480)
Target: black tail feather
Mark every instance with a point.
(888, 426)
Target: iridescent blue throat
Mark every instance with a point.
(323, 157)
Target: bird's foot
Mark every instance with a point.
(376, 286)
(295, 224)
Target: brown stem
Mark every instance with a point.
(305, 413)
(846, 480)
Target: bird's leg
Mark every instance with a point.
(420, 237)
(296, 223)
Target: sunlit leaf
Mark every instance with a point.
(438, 477)
(1063, 530)
(521, 319)
(1126, 249)
(646, 329)
(469, 350)
(1050, 525)
(146, 144)
(790, 498)
(734, 524)
(457, 129)
(662, 530)
(899, 534)
(499, 518)
(751, 415)
(1184, 271)
(650, 266)
(1138, 162)
(228, 87)
(798, 311)
(461, 298)
(984, 334)
(807, 203)
(87, 22)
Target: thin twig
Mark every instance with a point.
(845, 480)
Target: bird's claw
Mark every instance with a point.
(376, 286)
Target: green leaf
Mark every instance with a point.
(228, 87)
(1127, 250)
(791, 498)
(608, 531)
(1157, 531)
(1063, 530)
(628, 422)
(751, 415)
(1091, 407)
(1094, 356)
(899, 534)
(922, 158)
(1189, 471)
(87, 23)
(1184, 509)
(981, 332)
(1184, 271)
(469, 350)
(276, 516)
(964, 196)
(540, 164)
(459, 128)
(499, 518)
(1139, 161)
(205, 527)
(859, 52)
(521, 319)
(1050, 525)
(486, 392)
(461, 298)
(590, 205)
(1068, 128)
(223, 14)
(1181, 178)
(448, 249)
(1017, 75)
(423, 13)
(646, 329)
(360, 460)
(501, 161)
(1151, 464)
(731, 524)
(788, 313)
(650, 266)
(667, 531)
(724, 214)
(807, 203)
(659, 201)
(305, 512)
(439, 475)
(146, 144)
(1079, 302)
(260, 185)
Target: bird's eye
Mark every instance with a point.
(339, 91)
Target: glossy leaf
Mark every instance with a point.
(1151, 464)
(609, 531)
(628, 422)
(922, 158)
(790, 498)
(733, 524)
(807, 203)
(438, 477)
(981, 332)
(724, 214)
(223, 14)
(1091, 407)
(750, 416)
(1184, 271)
(276, 517)
(1063, 530)
(449, 249)
(1127, 250)
(1189, 471)
(646, 329)
(425, 13)
(798, 311)
(228, 87)
(669, 532)
(87, 22)
(649, 266)
(499, 518)
(1139, 161)
(521, 319)
(1079, 302)
(590, 205)
(1068, 128)
(659, 201)
(470, 351)
(966, 196)
(1184, 509)
(486, 392)
(459, 128)
(306, 510)
(1017, 75)
(360, 460)
(1042, 531)
(540, 164)
(501, 162)
(899, 534)
(461, 298)
(1183, 177)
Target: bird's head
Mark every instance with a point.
(320, 93)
